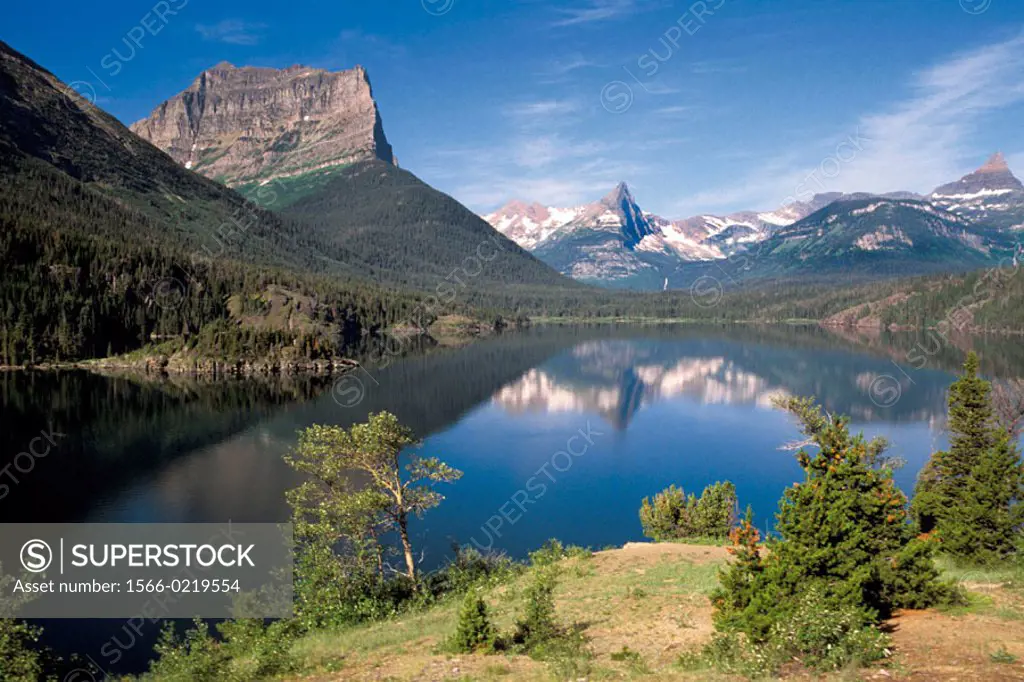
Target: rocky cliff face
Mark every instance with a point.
(246, 125)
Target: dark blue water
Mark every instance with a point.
(560, 433)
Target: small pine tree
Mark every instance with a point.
(539, 624)
(474, 631)
(967, 495)
(736, 600)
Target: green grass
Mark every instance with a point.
(584, 598)
(1009, 574)
(979, 581)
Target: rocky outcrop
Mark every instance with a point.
(993, 177)
(245, 125)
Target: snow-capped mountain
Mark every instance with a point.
(614, 242)
(991, 195)
(611, 241)
(530, 224)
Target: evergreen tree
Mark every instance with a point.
(843, 531)
(474, 631)
(968, 495)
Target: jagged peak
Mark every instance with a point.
(995, 164)
(618, 195)
(993, 175)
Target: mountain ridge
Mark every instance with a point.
(997, 201)
(254, 124)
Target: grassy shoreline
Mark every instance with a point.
(640, 607)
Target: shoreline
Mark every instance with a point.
(214, 369)
(158, 366)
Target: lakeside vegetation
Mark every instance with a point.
(849, 553)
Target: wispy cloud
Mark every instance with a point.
(560, 70)
(544, 150)
(676, 111)
(917, 143)
(541, 109)
(232, 32)
(655, 88)
(594, 10)
(564, 66)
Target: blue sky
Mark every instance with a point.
(701, 106)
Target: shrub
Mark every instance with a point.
(20, 660)
(817, 633)
(538, 624)
(474, 631)
(470, 568)
(673, 515)
(21, 657)
(828, 637)
(553, 551)
(258, 650)
(334, 590)
(195, 656)
(733, 654)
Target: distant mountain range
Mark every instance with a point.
(613, 242)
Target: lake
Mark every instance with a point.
(560, 432)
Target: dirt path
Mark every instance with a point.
(939, 646)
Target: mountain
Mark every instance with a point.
(611, 241)
(406, 232)
(990, 195)
(48, 134)
(871, 237)
(615, 243)
(108, 244)
(249, 125)
(309, 145)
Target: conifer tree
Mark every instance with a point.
(968, 494)
(474, 631)
(843, 531)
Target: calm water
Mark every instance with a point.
(640, 408)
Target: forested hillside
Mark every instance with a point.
(407, 232)
(92, 287)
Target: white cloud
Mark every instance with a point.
(594, 10)
(542, 108)
(675, 111)
(232, 32)
(563, 67)
(917, 143)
